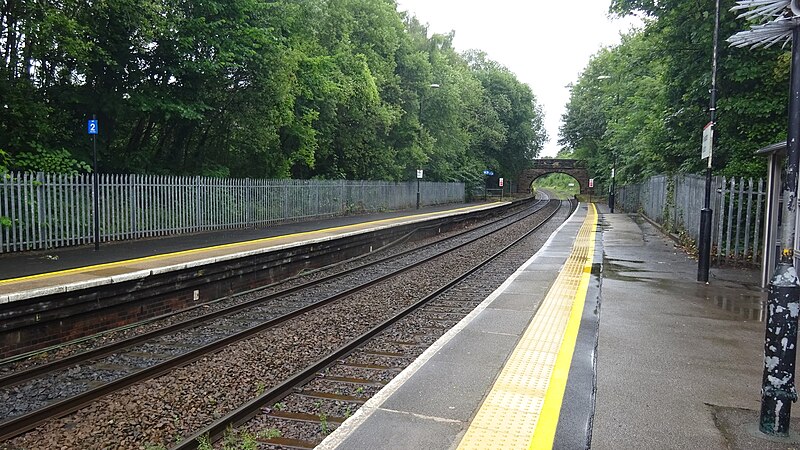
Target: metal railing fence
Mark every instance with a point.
(40, 211)
(675, 201)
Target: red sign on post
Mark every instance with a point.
(501, 182)
(591, 182)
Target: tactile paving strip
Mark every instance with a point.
(521, 411)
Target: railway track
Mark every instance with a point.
(303, 409)
(158, 352)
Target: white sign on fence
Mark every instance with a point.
(708, 140)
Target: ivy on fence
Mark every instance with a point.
(675, 201)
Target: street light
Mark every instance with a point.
(419, 171)
(613, 156)
(706, 214)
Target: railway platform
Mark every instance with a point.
(603, 339)
(62, 295)
(30, 274)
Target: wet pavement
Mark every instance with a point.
(679, 362)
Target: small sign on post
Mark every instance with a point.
(419, 177)
(92, 128)
(591, 182)
(708, 140)
(500, 183)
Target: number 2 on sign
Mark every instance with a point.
(92, 127)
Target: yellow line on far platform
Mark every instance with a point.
(213, 248)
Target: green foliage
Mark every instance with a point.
(246, 88)
(53, 161)
(4, 161)
(558, 182)
(270, 433)
(204, 443)
(650, 104)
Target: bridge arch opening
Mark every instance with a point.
(557, 181)
(575, 168)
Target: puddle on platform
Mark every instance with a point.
(748, 307)
(620, 272)
(632, 261)
(617, 268)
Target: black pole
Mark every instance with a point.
(704, 247)
(613, 181)
(777, 386)
(95, 190)
(706, 214)
(417, 191)
(780, 345)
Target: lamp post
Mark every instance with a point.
(706, 214)
(613, 156)
(419, 171)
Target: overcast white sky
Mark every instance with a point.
(545, 43)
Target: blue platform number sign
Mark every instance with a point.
(488, 172)
(91, 126)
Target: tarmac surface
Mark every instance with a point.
(679, 362)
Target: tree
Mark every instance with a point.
(250, 88)
(661, 76)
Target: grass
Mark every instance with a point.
(323, 423)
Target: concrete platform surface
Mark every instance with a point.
(21, 264)
(33, 274)
(678, 363)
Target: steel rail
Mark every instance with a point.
(237, 417)
(33, 372)
(26, 422)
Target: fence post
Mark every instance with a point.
(722, 208)
(40, 217)
(748, 214)
(738, 219)
(730, 218)
(756, 243)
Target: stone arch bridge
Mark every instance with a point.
(576, 168)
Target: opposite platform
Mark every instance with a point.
(25, 275)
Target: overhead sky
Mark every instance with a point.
(545, 43)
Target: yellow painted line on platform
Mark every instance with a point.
(219, 247)
(521, 410)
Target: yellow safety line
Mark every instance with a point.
(522, 408)
(548, 420)
(217, 247)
